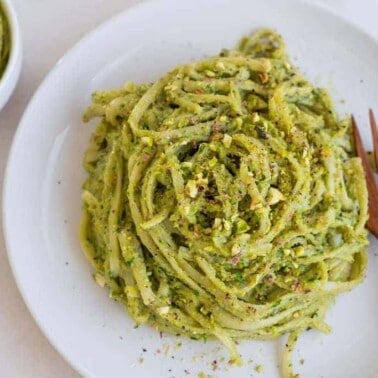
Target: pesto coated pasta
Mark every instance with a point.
(225, 199)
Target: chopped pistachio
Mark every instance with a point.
(217, 223)
(192, 189)
(163, 310)
(147, 140)
(187, 164)
(227, 140)
(274, 196)
(186, 209)
(227, 225)
(239, 122)
(169, 122)
(259, 368)
(212, 147)
(200, 180)
(241, 244)
(255, 117)
(213, 161)
(241, 226)
(299, 251)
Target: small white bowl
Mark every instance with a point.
(13, 68)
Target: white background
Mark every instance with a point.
(50, 28)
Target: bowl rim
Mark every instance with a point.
(15, 48)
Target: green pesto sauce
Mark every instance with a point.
(5, 41)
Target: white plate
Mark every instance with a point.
(42, 191)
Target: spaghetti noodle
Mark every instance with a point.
(225, 199)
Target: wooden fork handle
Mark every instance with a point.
(372, 223)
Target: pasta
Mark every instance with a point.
(225, 199)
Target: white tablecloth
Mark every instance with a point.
(50, 28)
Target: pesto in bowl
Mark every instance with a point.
(5, 41)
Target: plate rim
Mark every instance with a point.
(22, 124)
